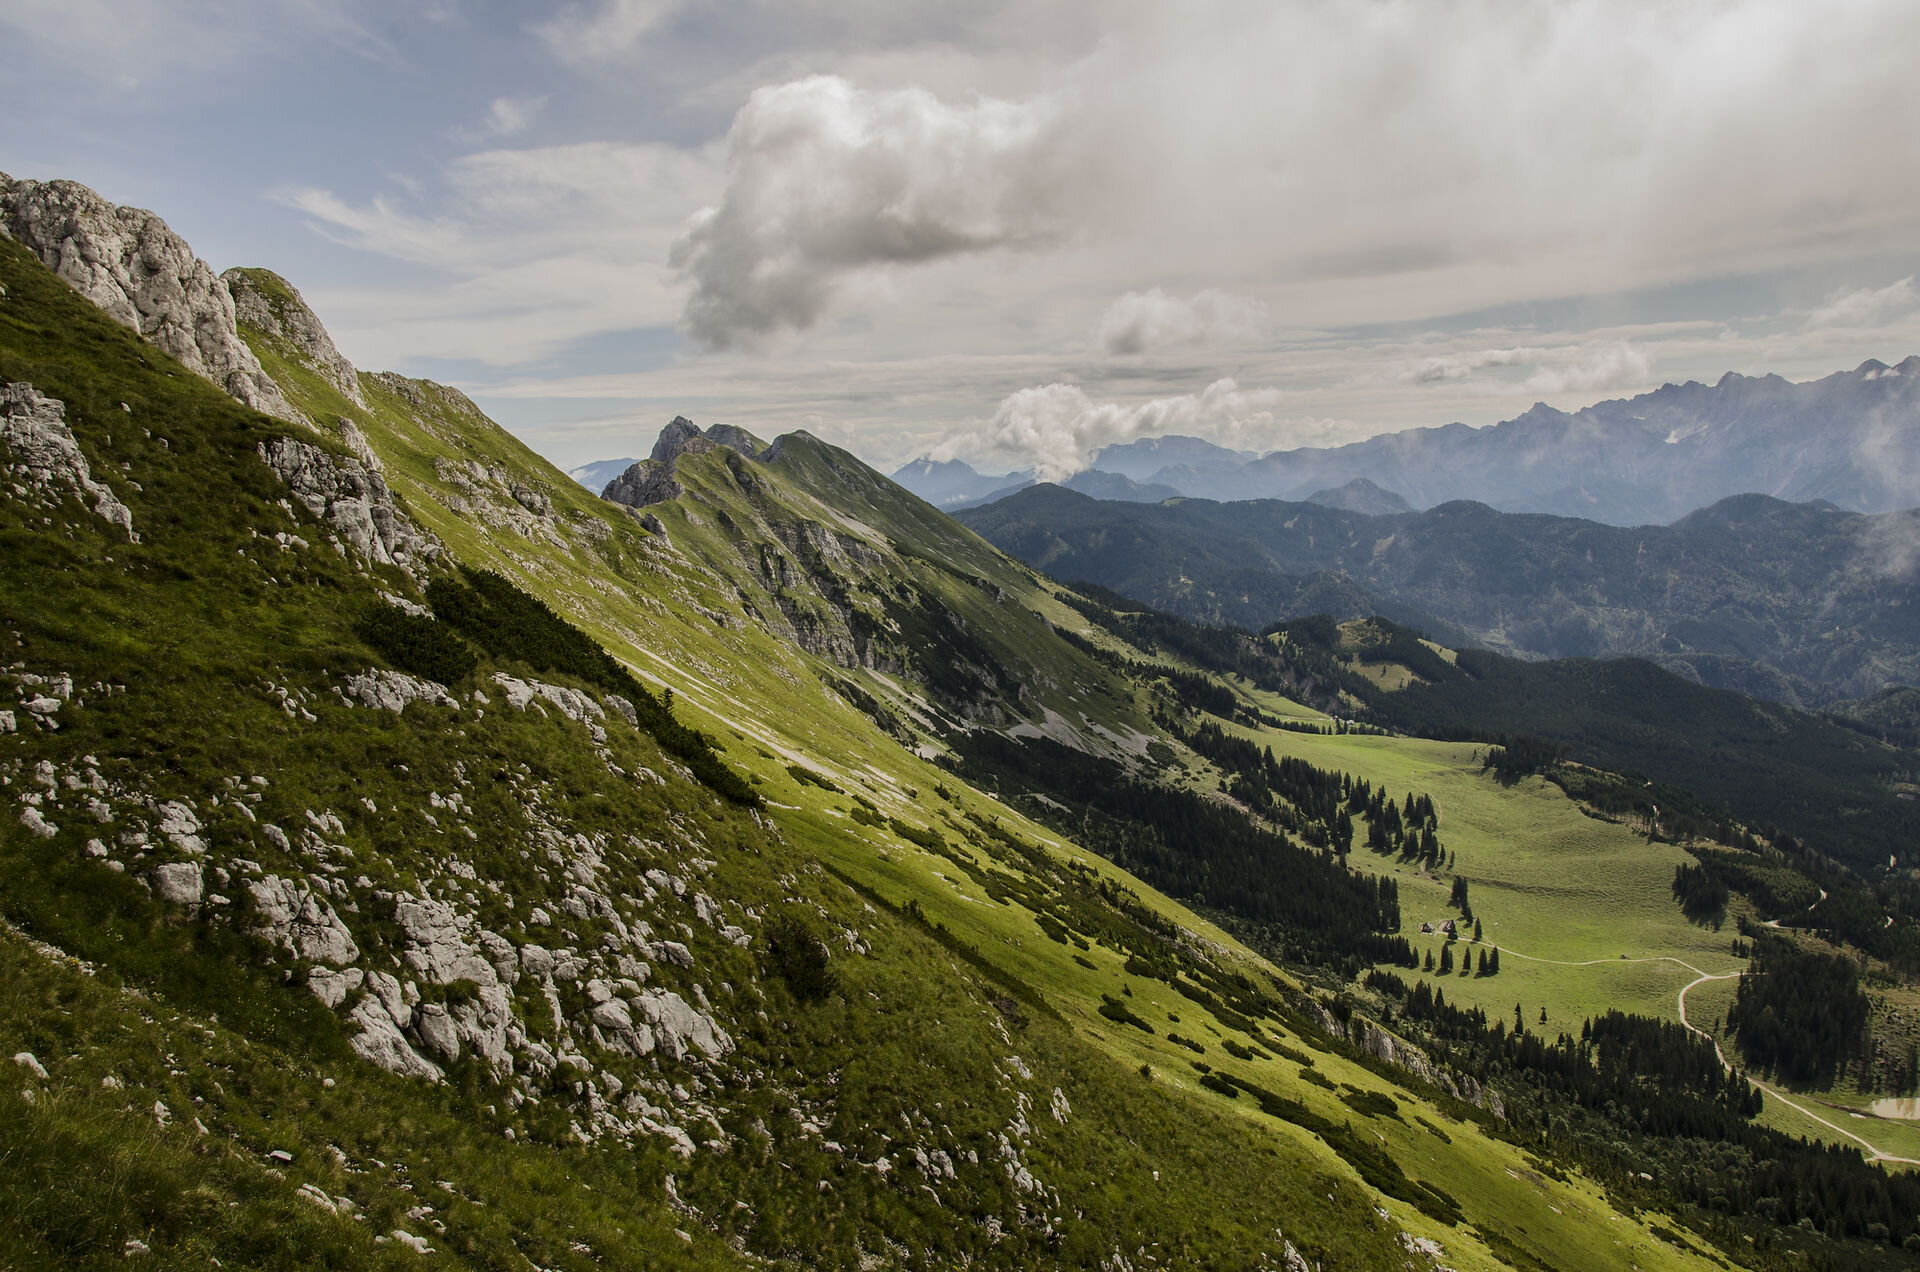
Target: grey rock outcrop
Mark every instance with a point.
(142, 274)
(659, 1018)
(178, 883)
(681, 437)
(573, 704)
(304, 925)
(646, 483)
(394, 690)
(381, 1042)
(353, 500)
(41, 451)
(738, 438)
(271, 305)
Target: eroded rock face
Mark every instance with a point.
(269, 303)
(353, 500)
(659, 1019)
(645, 483)
(41, 450)
(142, 274)
(304, 925)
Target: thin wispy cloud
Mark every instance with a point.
(1866, 306)
(604, 29)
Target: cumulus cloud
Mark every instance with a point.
(1055, 428)
(824, 179)
(1865, 306)
(1149, 321)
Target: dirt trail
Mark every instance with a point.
(1874, 1154)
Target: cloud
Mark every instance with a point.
(1055, 428)
(177, 45)
(1449, 367)
(542, 245)
(1150, 321)
(586, 33)
(1607, 364)
(1865, 306)
(1618, 365)
(510, 116)
(825, 179)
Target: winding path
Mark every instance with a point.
(1874, 1154)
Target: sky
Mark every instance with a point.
(1014, 232)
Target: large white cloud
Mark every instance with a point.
(826, 178)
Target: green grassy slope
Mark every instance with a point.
(210, 653)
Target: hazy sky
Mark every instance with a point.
(1015, 232)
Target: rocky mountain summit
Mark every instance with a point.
(651, 480)
(140, 273)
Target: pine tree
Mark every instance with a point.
(1446, 960)
(1429, 963)
(1493, 964)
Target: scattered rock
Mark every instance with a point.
(178, 883)
(393, 690)
(26, 1060)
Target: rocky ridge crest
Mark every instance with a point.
(270, 304)
(126, 261)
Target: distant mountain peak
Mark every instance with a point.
(1361, 496)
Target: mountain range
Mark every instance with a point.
(1851, 439)
(1802, 603)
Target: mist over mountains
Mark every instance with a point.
(1795, 602)
(1851, 439)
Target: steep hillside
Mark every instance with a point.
(1796, 602)
(409, 850)
(312, 955)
